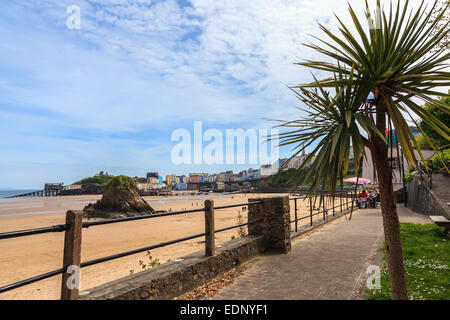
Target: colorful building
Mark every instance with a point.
(195, 179)
(181, 186)
(171, 179)
(221, 177)
(152, 180)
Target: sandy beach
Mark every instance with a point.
(22, 258)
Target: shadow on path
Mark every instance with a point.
(329, 263)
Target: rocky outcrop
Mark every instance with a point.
(120, 199)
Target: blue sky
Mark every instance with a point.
(108, 96)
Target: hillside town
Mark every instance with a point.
(217, 182)
(244, 181)
(155, 184)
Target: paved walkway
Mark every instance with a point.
(329, 263)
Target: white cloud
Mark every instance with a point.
(145, 64)
(153, 60)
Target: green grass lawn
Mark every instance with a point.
(426, 252)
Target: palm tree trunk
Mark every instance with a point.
(391, 222)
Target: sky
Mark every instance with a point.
(109, 95)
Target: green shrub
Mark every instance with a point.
(444, 117)
(437, 161)
(410, 174)
(102, 180)
(423, 143)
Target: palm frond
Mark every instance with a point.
(400, 62)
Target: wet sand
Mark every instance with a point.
(22, 258)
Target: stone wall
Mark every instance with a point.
(177, 277)
(422, 200)
(187, 273)
(398, 194)
(275, 226)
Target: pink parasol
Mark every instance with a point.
(359, 181)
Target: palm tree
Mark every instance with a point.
(397, 64)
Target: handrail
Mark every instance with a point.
(95, 261)
(428, 173)
(30, 232)
(338, 194)
(63, 227)
(238, 226)
(147, 216)
(320, 212)
(237, 205)
(131, 252)
(60, 228)
(32, 280)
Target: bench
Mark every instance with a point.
(441, 221)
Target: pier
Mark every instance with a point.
(50, 190)
(37, 194)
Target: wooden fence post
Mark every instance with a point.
(72, 256)
(209, 228)
(332, 201)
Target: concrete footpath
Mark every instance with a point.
(329, 263)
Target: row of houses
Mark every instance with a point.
(194, 180)
(397, 160)
(217, 181)
(284, 164)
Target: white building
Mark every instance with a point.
(268, 170)
(368, 170)
(211, 178)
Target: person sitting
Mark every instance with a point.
(362, 199)
(372, 199)
(377, 199)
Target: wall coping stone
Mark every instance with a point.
(175, 278)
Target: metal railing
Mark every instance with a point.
(428, 173)
(347, 204)
(72, 244)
